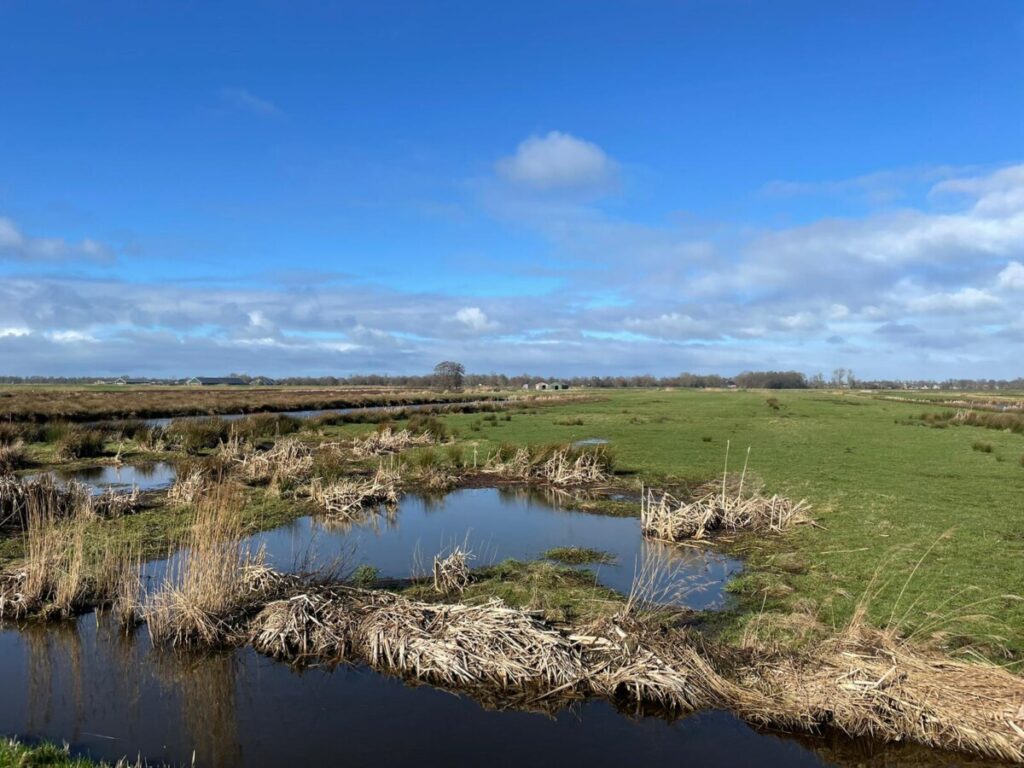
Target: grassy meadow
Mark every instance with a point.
(915, 518)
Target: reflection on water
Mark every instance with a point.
(146, 477)
(111, 696)
(497, 524)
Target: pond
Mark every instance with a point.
(146, 477)
(496, 524)
(110, 696)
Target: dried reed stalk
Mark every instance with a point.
(346, 499)
(388, 441)
(451, 573)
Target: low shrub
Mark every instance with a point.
(982, 446)
(195, 435)
(80, 443)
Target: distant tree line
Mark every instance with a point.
(452, 375)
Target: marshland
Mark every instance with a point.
(793, 578)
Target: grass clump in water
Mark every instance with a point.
(578, 556)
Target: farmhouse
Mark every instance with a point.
(545, 385)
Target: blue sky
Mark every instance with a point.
(560, 188)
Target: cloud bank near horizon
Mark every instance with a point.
(916, 285)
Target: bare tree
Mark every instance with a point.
(449, 374)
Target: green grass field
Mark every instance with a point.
(885, 492)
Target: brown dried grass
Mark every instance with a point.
(388, 441)
(451, 572)
(348, 499)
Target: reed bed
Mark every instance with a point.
(39, 498)
(389, 441)
(347, 499)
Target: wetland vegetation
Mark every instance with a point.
(811, 567)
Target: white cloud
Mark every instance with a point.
(71, 337)
(16, 245)
(558, 160)
(964, 300)
(1012, 278)
(475, 319)
(19, 331)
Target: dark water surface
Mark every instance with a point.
(110, 696)
(146, 477)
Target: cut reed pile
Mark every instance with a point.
(868, 683)
(288, 459)
(346, 499)
(461, 646)
(629, 659)
(451, 573)
(388, 441)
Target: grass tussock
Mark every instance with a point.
(981, 446)
(195, 435)
(79, 443)
(1006, 421)
(578, 556)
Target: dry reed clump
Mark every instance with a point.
(12, 456)
(188, 486)
(346, 499)
(451, 573)
(387, 441)
(51, 581)
(114, 503)
(555, 466)
(214, 581)
(41, 497)
(868, 683)
(724, 506)
(668, 519)
(288, 459)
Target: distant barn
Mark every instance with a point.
(213, 381)
(545, 385)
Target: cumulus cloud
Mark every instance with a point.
(558, 161)
(475, 319)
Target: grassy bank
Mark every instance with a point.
(15, 754)
(885, 487)
(39, 403)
